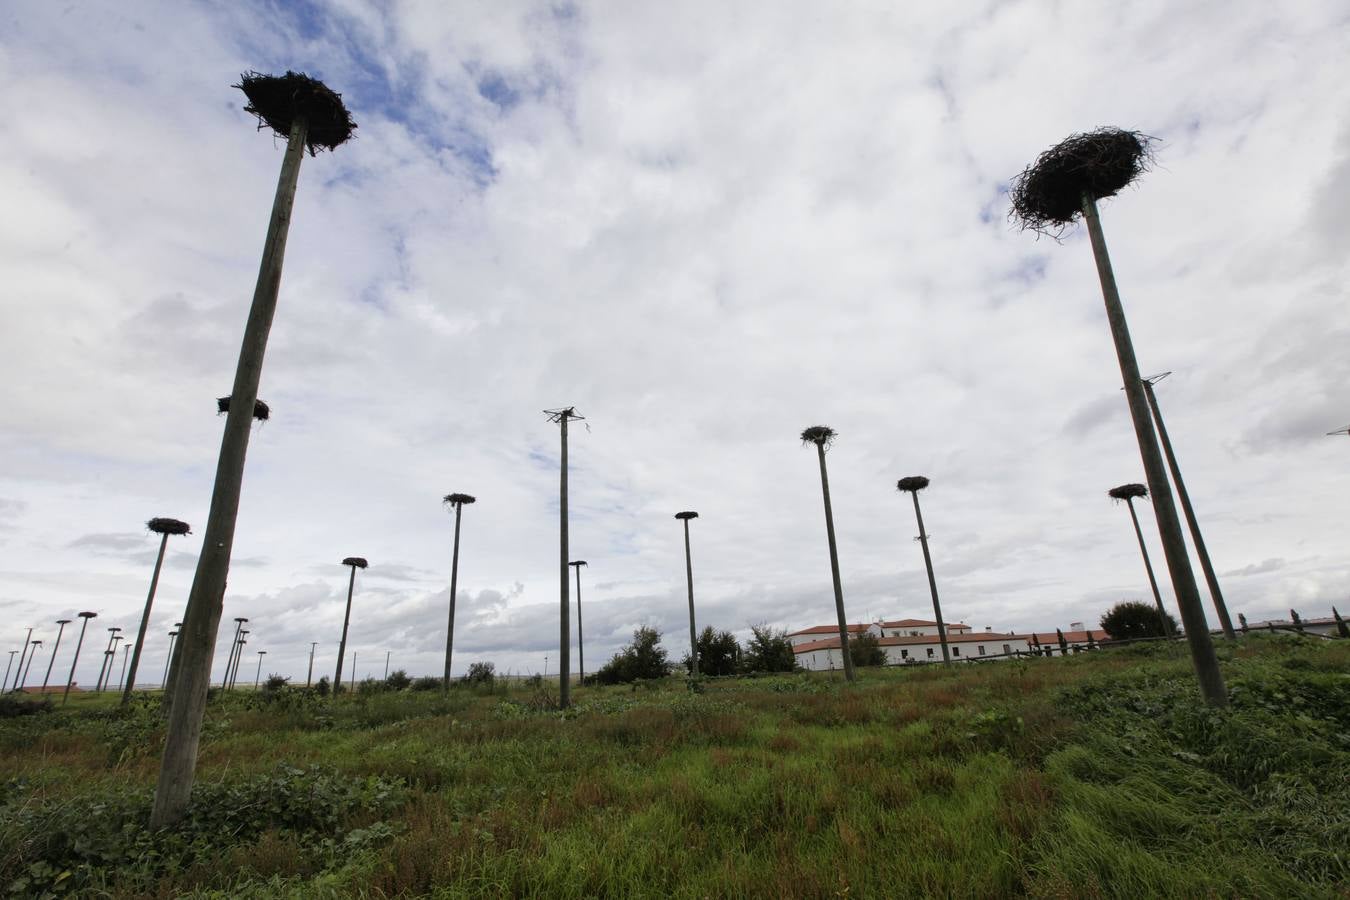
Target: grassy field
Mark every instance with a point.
(1092, 775)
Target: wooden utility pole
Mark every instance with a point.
(1174, 545)
(581, 646)
(60, 631)
(1207, 567)
(356, 562)
(163, 527)
(457, 501)
(1128, 493)
(689, 580)
(561, 417)
(70, 679)
(822, 436)
(912, 485)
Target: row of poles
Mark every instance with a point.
(309, 114)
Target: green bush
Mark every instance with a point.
(484, 673)
(768, 650)
(643, 658)
(398, 680)
(427, 683)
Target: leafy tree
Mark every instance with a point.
(481, 673)
(322, 686)
(866, 650)
(1134, 619)
(644, 658)
(398, 680)
(718, 653)
(427, 683)
(768, 651)
(275, 683)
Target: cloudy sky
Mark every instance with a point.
(708, 226)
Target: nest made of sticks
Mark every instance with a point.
(1127, 492)
(459, 499)
(358, 561)
(820, 435)
(1048, 196)
(261, 411)
(168, 526)
(278, 100)
(87, 614)
(577, 562)
(687, 514)
(912, 483)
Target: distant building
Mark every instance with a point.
(904, 641)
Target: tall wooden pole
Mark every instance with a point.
(342, 645)
(1148, 567)
(31, 657)
(197, 638)
(60, 631)
(257, 676)
(834, 565)
(70, 679)
(454, 587)
(23, 654)
(145, 619)
(689, 580)
(1203, 658)
(564, 628)
(309, 676)
(932, 582)
(165, 680)
(1211, 579)
(5, 683)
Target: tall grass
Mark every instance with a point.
(1097, 775)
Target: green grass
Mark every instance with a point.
(1096, 775)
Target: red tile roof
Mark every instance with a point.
(827, 629)
(1073, 637)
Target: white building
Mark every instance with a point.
(904, 648)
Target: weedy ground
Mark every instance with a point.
(1097, 775)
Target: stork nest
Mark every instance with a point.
(912, 483)
(820, 435)
(1127, 492)
(357, 561)
(686, 515)
(577, 562)
(459, 499)
(261, 411)
(168, 526)
(87, 614)
(279, 100)
(1048, 196)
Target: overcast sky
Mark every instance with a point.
(708, 226)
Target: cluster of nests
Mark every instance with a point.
(1048, 196)
(280, 100)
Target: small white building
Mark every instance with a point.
(902, 649)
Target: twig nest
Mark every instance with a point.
(912, 483)
(1048, 195)
(168, 526)
(820, 435)
(459, 499)
(357, 561)
(1127, 492)
(577, 562)
(687, 514)
(87, 614)
(261, 411)
(278, 100)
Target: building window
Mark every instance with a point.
(956, 651)
(982, 649)
(1007, 648)
(930, 652)
(904, 654)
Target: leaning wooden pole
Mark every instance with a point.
(342, 644)
(454, 589)
(689, 580)
(290, 105)
(70, 679)
(1207, 567)
(1169, 527)
(60, 631)
(1148, 567)
(912, 485)
(821, 435)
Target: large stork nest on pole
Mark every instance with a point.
(820, 435)
(459, 499)
(686, 515)
(912, 483)
(168, 526)
(357, 561)
(261, 411)
(1127, 492)
(1048, 196)
(278, 100)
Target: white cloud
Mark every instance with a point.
(708, 226)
